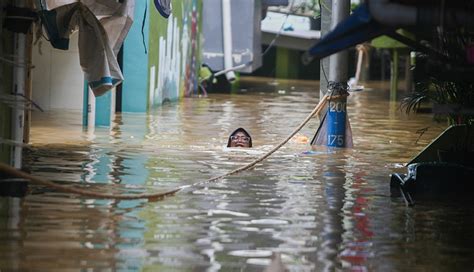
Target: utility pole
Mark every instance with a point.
(325, 11)
(337, 111)
(338, 62)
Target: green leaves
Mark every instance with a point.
(455, 93)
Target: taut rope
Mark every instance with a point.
(159, 195)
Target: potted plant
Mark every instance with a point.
(453, 100)
(449, 85)
(310, 9)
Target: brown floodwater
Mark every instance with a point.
(325, 210)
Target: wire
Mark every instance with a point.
(321, 3)
(12, 100)
(241, 66)
(421, 132)
(14, 63)
(143, 26)
(30, 101)
(324, 73)
(12, 142)
(287, 15)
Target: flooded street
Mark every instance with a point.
(324, 210)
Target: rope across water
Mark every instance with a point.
(10, 171)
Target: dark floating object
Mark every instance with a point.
(444, 170)
(433, 181)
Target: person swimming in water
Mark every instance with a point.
(239, 138)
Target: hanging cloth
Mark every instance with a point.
(102, 25)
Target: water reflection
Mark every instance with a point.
(333, 192)
(324, 210)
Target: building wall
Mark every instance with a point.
(135, 60)
(174, 57)
(166, 71)
(58, 80)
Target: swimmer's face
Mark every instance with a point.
(239, 139)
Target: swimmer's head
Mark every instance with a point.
(239, 138)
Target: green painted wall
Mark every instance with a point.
(175, 51)
(287, 63)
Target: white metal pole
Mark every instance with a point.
(360, 58)
(91, 110)
(227, 36)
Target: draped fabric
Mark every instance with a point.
(102, 25)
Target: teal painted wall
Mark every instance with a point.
(85, 105)
(103, 105)
(161, 63)
(103, 108)
(135, 60)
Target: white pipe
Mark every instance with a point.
(393, 14)
(18, 115)
(360, 57)
(238, 67)
(152, 86)
(91, 110)
(227, 36)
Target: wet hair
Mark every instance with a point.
(235, 132)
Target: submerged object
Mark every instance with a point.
(443, 170)
(433, 181)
